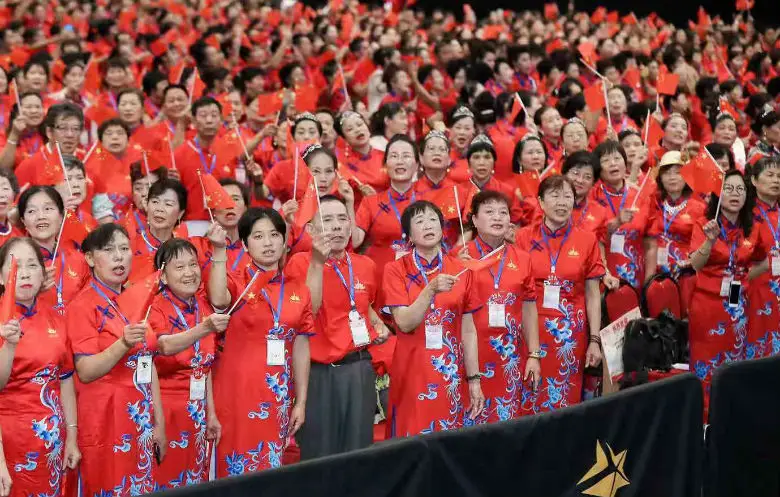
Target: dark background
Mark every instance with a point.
(766, 12)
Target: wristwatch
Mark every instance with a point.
(535, 354)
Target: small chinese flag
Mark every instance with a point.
(633, 77)
(92, 77)
(73, 230)
(49, 171)
(13, 92)
(654, 133)
(227, 147)
(99, 113)
(598, 15)
(667, 83)
(215, 194)
(8, 300)
(476, 265)
(630, 19)
(444, 199)
(588, 52)
(19, 56)
(347, 25)
(198, 86)
(594, 97)
(176, 72)
(703, 175)
(306, 98)
(528, 183)
(308, 205)
(227, 107)
(135, 300)
(551, 11)
(727, 108)
(270, 103)
(613, 16)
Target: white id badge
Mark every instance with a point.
(616, 243)
(662, 256)
(143, 371)
(496, 315)
(359, 331)
(275, 352)
(775, 261)
(552, 296)
(197, 387)
(725, 286)
(433, 337)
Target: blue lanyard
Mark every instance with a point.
(112, 101)
(351, 287)
(416, 259)
(110, 302)
(149, 245)
(238, 259)
(496, 277)
(59, 283)
(276, 313)
(732, 249)
(183, 321)
(669, 220)
(395, 207)
(545, 239)
(776, 230)
(609, 199)
(206, 167)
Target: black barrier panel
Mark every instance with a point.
(393, 469)
(743, 439)
(645, 441)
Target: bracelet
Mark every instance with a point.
(12, 142)
(594, 339)
(218, 260)
(536, 354)
(72, 426)
(474, 377)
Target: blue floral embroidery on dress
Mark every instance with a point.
(47, 429)
(739, 349)
(431, 394)
(262, 413)
(629, 271)
(182, 443)
(31, 463)
(124, 445)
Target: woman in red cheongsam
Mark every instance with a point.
(42, 212)
(506, 323)
(548, 121)
(134, 220)
(24, 135)
(268, 333)
(436, 362)
(9, 189)
(674, 213)
(626, 218)
(185, 323)
(721, 252)
(567, 268)
(764, 291)
(38, 400)
(580, 169)
(364, 161)
(124, 431)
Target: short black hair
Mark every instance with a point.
(745, 216)
(114, 121)
(100, 237)
(401, 138)
(117, 63)
(582, 158)
(63, 111)
(73, 162)
(151, 80)
(255, 214)
(161, 186)
(47, 190)
(175, 86)
(416, 208)
(486, 196)
(610, 147)
(241, 186)
(171, 249)
(205, 102)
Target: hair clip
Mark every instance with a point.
(462, 111)
(435, 133)
(308, 150)
(305, 116)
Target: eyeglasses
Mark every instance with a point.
(73, 130)
(739, 190)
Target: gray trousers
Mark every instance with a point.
(339, 409)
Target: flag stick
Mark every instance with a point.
(606, 104)
(636, 197)
(146, 166)
(346, 93)
(18, 100)
(295, 175)
(592, 69)
(319, 205)
(89, 152)
(246, 290)
(460, 217)
(720, 200)
(64, 173)
(59, 237)
(647, 126)
(192, 84)
(657, 101)
(205, 199)
(491, 254)
(546, 170)
(241, 138)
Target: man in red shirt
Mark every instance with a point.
(342, 394)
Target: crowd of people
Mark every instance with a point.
(232, 232)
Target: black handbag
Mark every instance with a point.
(653, 344)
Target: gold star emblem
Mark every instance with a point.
(451, 209)
(250, 296)
(573, 252)
(511, 265)
(207, 199)
(685, 216)
(51, 331)
(613, 480)
(72, 273)
(294, 298)
(747, 243)
(590, 217)
(359, 285)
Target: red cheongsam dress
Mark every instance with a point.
(71, 273)
(672, 226)
(763, 297)
(31, 413)
(502, 349)
(428, 388)
(588, 216)
(366, 168)
(717, 331)
(254, 399)
(625, 247)
(442, 195)
(115, 434)
(563, 324)
(183, 390)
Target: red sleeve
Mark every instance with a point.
(25, 172)
(472, 301)
(371, 270)
(595, 266)
(158, 319)
(697, 237)
(307, 318)
(297, 267)
(82, 328)
(393, 285)
(529, 285)
(363, 216)
(235, 284)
